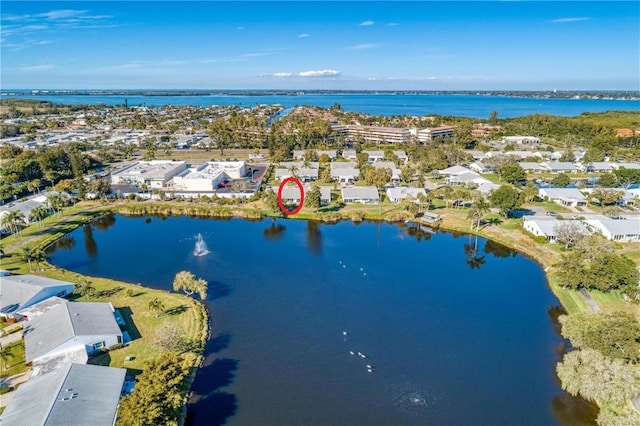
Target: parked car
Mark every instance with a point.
(552, 214)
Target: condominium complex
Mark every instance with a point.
(385, 135)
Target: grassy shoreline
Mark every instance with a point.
(130, 299)
(193, 316)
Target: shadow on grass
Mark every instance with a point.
(208, 405)
(130, 326)
(177, 310)
(108, 293)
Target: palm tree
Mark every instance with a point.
(54, 200)
(14, 219)
(31, 255)
(294, 170)
(39, 214)
(477, 211)
(156, 305)
(5, 356)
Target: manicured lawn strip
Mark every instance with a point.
(185, 312)
(15, 363)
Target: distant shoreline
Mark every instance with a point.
(536, 94)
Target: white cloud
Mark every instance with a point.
(565, 20)
(318, 73)
(311, 73)
(305, 35)
(366, 23)
(35, 68)
(364, 46)
(60, 14)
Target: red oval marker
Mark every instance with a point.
(281, 204)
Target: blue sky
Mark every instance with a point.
(449, 45)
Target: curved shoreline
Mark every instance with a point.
(450, 222)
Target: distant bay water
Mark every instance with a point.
(387, 104)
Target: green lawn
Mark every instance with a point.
(184, 311)
(15, 363)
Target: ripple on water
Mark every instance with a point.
(413, 401)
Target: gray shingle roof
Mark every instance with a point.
(17, 290)
(66, 321)
(360, 193)
(75, 395)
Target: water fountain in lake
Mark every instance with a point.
(201, 247)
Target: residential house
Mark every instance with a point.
(25, 207)
(71, 327)
(305, 174)
(344, 172)
(480, 167)
(548, 226)
(625, 230)
(571, 197)
(620, 165)
(21, 291)
(208, 176)
(559, 167)
(486, 187)
(360, 194)
(374, 156)
(395, 172)
(291, 194)
(596, 167)
(522, 140)
(402, 156)
(74, 395)
(531, 167)
(401, 193)
(349, 154)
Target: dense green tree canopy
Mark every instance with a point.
(615, 335)
(158, 395)
(506, 198)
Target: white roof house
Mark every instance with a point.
(454, 170)
(400, 193)
(616, 230)
(548, 226)
(75, 395)
(360, 194)
(349, 154)
(207, 176)
(375, 155)
(292, 193)
(154, 174)
(532, 167)
(634, 166)
(70, 327)
(395, 173)
(305, 174)
(559, 167)
(597, 166)
(25, 207)
(565, 196)
(522, 140)
(21, 291)
(401, 155)
(486, 187)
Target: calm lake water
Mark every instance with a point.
(476, 106)
(458, 330)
